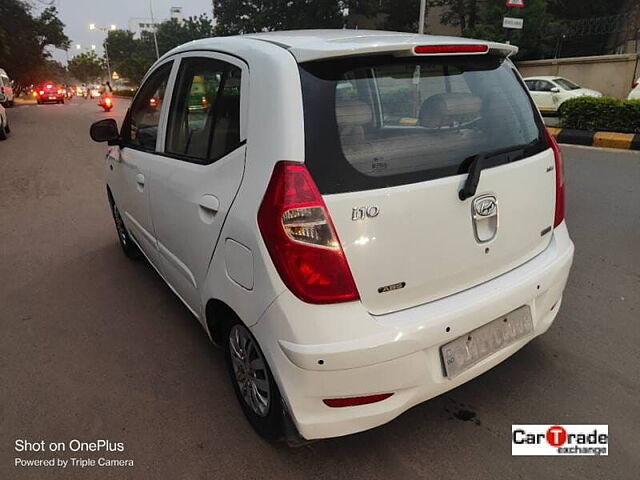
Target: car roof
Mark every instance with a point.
(308, 45)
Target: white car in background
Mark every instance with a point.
(634, 94)
(4, 120)
(363, 220)
(550, 92)
(6, 89)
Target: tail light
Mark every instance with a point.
(301, 239)
(559, 169)
(41, 92)
(635, 84)
(107, 101)
(355, 401)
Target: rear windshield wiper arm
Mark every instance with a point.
(487, 159)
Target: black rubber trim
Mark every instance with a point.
(576, 137)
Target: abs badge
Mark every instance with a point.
(484, 213)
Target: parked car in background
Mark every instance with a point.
(49, 92)
(634, 94)
(4, 120)
(6, 88)
(352, 261)
(550, 92)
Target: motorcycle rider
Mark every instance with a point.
(105, 91)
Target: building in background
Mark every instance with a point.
(176, 14)
(137, 25)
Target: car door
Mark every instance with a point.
(130, 171)
(544, 97)
(199, 173)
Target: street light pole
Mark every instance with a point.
(106, 30)
(423, 10)
(153, 25)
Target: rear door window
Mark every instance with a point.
(204, 123)
(381, 121)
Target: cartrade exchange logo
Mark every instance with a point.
(560, 440)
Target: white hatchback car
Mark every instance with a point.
(363, 220)
(4, 120)
(634, 94)
(550, 92)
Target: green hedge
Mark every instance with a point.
(601, 114)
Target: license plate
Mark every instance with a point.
(464, 352)
(52, 97)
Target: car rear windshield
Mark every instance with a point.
(381, 121)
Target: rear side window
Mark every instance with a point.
(375, 122)
(204, 123)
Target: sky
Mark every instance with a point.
(78, 14)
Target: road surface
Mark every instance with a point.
(94, 346)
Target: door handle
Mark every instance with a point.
(210, 203)
(140, 179)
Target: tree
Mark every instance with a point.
(87, 67)
(172, 33)
(534, 40)
(24, 39)
(249, 16)
(130, 57)
(462, 13)
(401, 15)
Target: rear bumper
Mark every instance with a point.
(331, 351)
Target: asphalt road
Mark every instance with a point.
(94, 346)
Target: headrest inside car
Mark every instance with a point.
(443, 108)
(353, 112)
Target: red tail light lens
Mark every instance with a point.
(559, 169)
(355, 401)
(449, 49)
(41, 92)
(301, 239)
(634, 84)
(107, 101)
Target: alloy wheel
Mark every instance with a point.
(250, 370)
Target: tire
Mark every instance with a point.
(6, 128)
(3, 132)
(129, 248)
(253, 382)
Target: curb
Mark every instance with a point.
(624, 141)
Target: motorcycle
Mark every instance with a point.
(106, 103)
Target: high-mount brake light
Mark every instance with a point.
(559, 170)
(301, 239)
(449, 49)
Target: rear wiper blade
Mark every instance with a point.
(488, 159)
